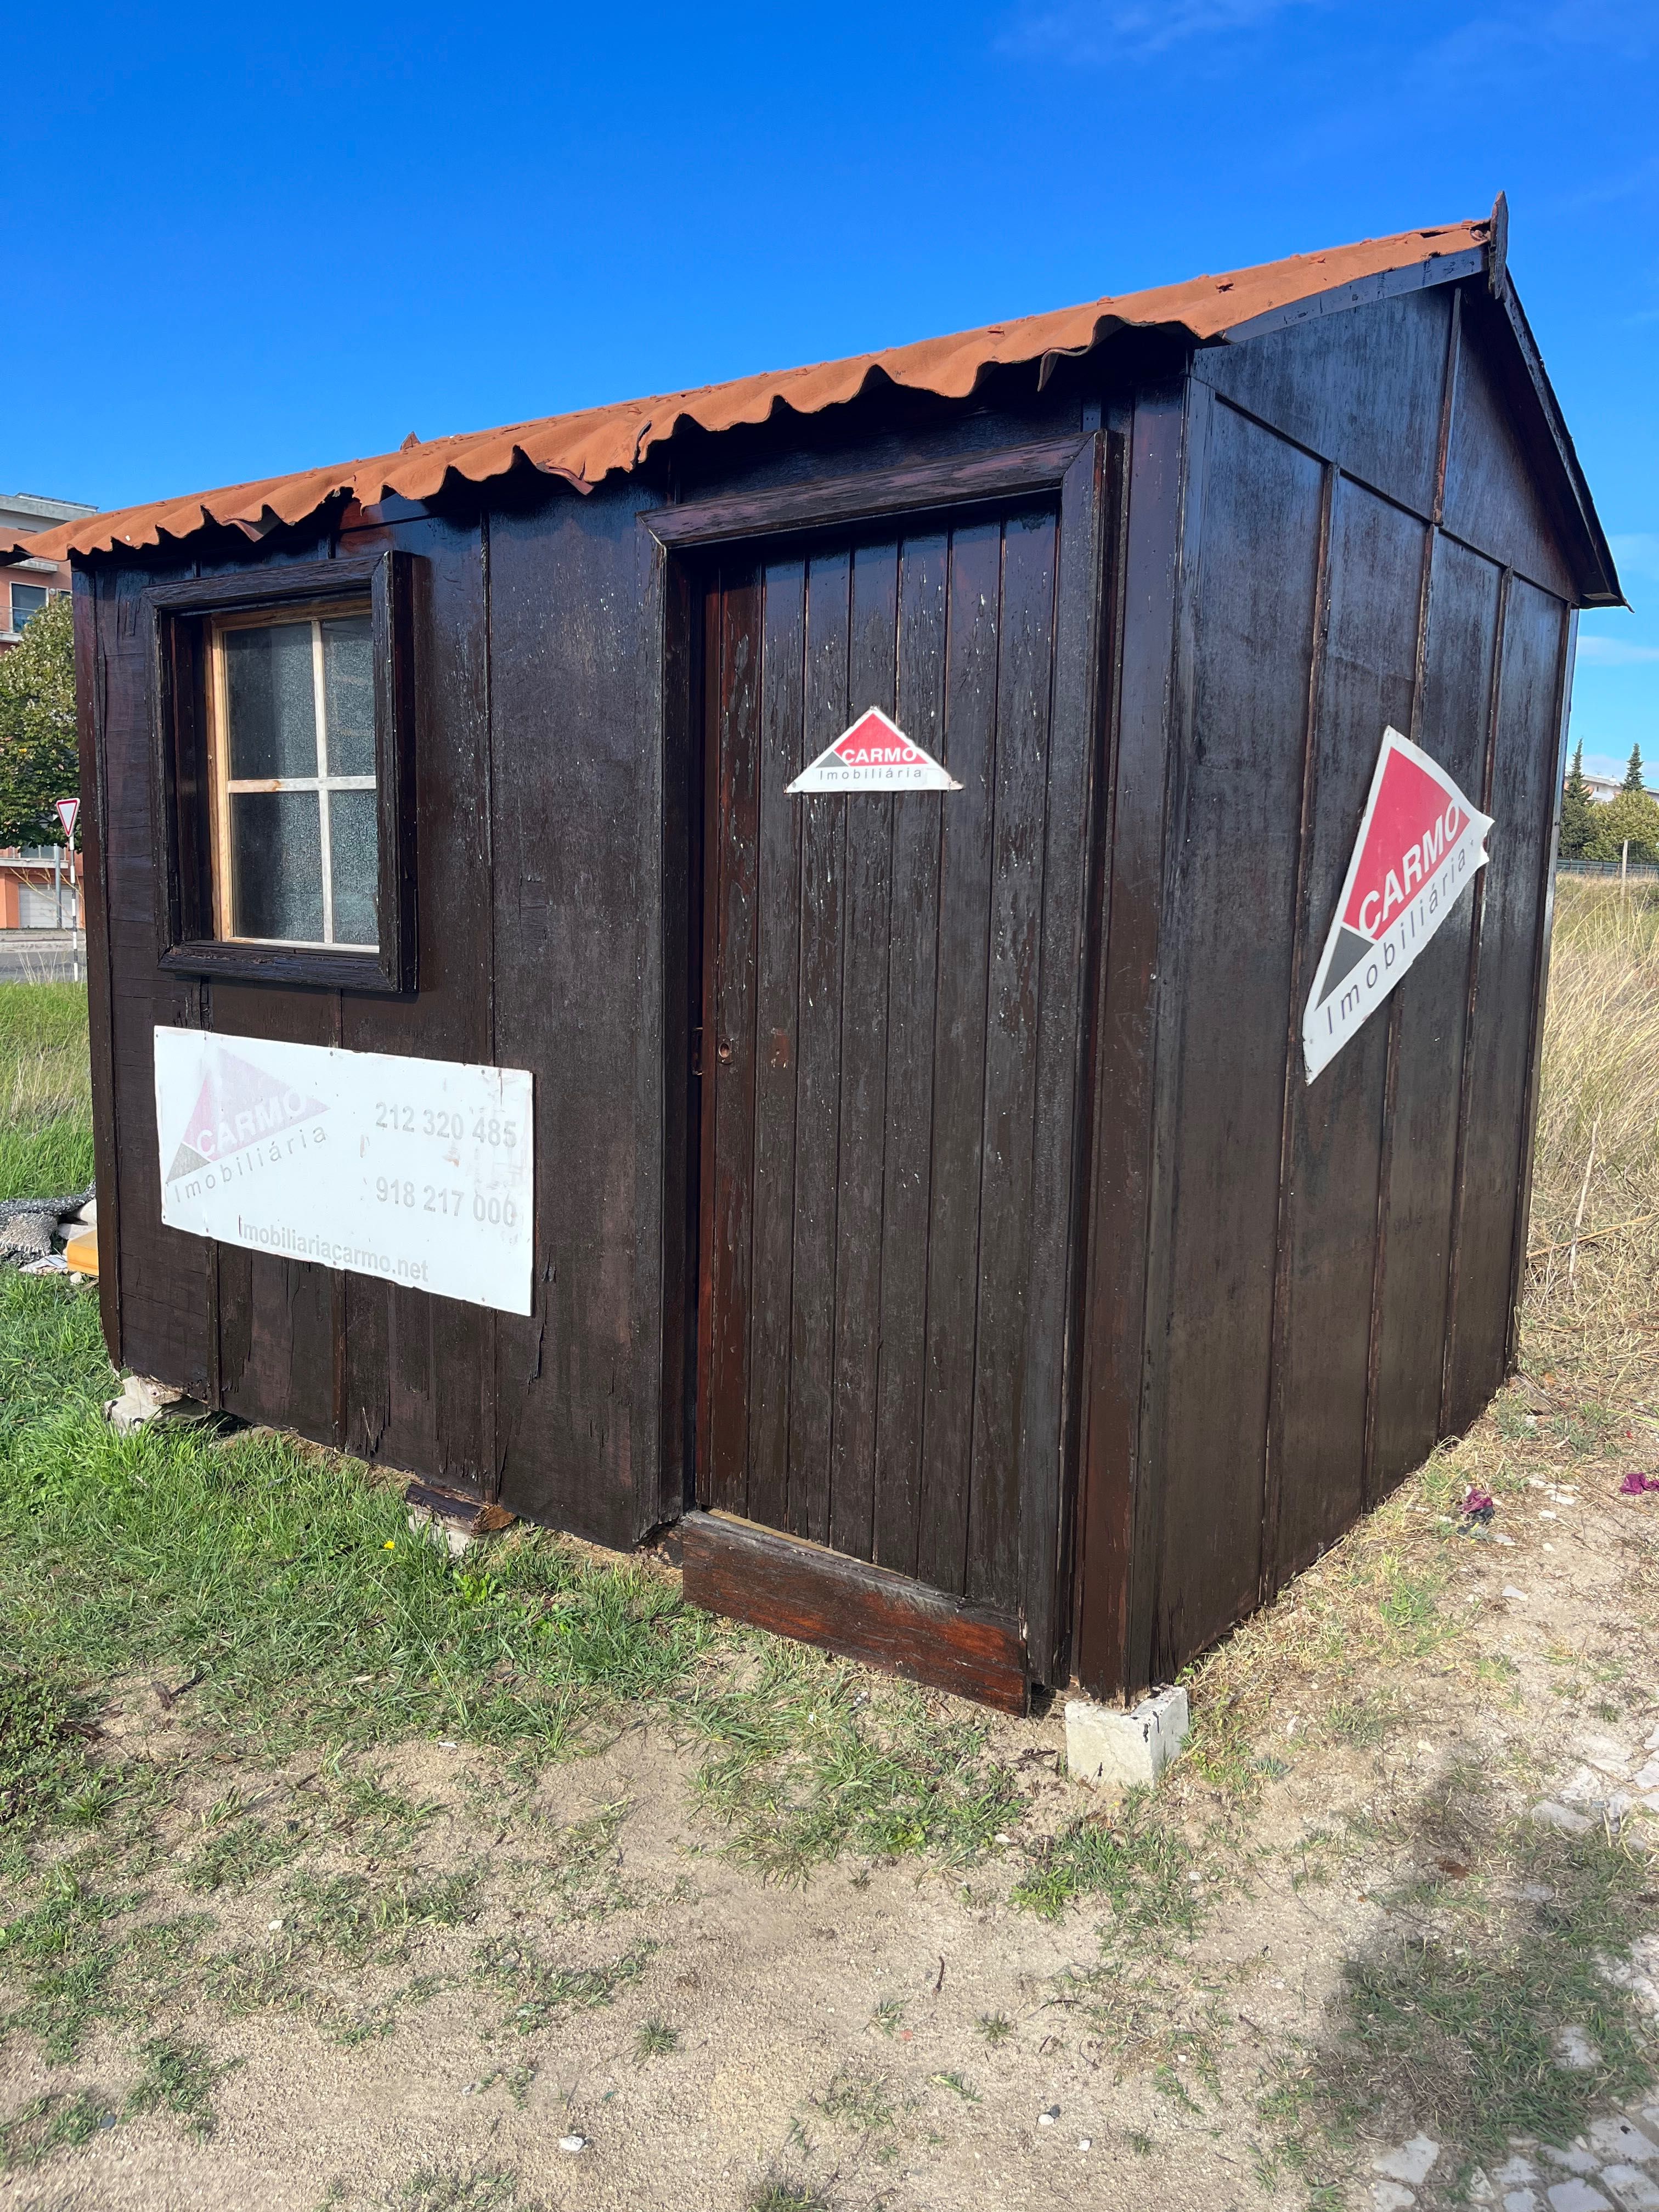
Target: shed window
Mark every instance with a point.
(297, 848)
(285, 714)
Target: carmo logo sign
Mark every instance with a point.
(1419, 847)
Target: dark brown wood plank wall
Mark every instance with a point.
(575, 928)
(886, 1001)
(1530, 674)
(911, 997)
(819, 1046)
(280, 1322)
(960, 1027)
(1492, 502)
(872, 680)
(1116, 1521)
(418, 1369)
(1452, 717)
(734, 673)
(1024, 678)
(783, 647)
(1327, 1220)
(1074, 850)
(1228, 921)
(1403, 1164)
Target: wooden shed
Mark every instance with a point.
(921, 1197)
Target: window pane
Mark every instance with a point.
(273, 702)
(354, 847)
(349, 695)
(277, 862)
(27, 599)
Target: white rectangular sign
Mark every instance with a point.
(417, 1171)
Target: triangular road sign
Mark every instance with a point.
(873, 755)
(1420, 846)
(68, 809)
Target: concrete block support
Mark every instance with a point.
(1117, 1750)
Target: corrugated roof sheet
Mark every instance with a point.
(582, 449)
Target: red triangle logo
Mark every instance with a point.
(873, 755)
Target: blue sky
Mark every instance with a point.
(245, 241)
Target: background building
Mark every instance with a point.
(28, 582)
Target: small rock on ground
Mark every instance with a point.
(1411, 2162)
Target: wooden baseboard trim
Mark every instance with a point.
(800, 1589)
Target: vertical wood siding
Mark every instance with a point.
(1336, 1291)
(878, 1019)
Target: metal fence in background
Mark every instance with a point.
(1639, 872)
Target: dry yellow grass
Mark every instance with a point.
(1598, 1140)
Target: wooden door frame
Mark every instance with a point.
(689, 538)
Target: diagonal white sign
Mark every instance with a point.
(1421, 845)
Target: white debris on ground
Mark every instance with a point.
(143, 1400)
(1614, 2167)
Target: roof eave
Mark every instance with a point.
(1598, 575)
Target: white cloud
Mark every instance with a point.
(1615, 652)
(1636, 552)
(1106, 30)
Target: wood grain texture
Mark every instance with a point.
(1452, 719)
(1231, 898)
(818, 1048)
(1328, 1225)
(417, 1369)
(1116, 1491)
(872, 678)
(1492, 502)
(912, 964)
(863, 1612)
(874, 494)
(1500, 1039)
(1362, 390)
(568, 668)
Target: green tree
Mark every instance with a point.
(39, 762)
(1633, 815)
(1634, 774)
(1577, 811)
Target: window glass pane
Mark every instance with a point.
(349, 695)
(354, 847)
(27, 599)
(272, 701)
(277, 849)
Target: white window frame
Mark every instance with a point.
(225, 786)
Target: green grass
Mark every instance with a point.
(45, 1127)
(1446, 2020)
(1130, 1860)
(805, 1765)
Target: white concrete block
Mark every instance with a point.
(143, 1400)
(1389, 2196)
(1118, 1750)
(1574, 2054)
(1634, 2189)
(1622, 2138)
(1577, 2195)
(1411, 2162)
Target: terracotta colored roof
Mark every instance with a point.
(582, 449)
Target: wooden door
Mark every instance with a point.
(891, 986)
